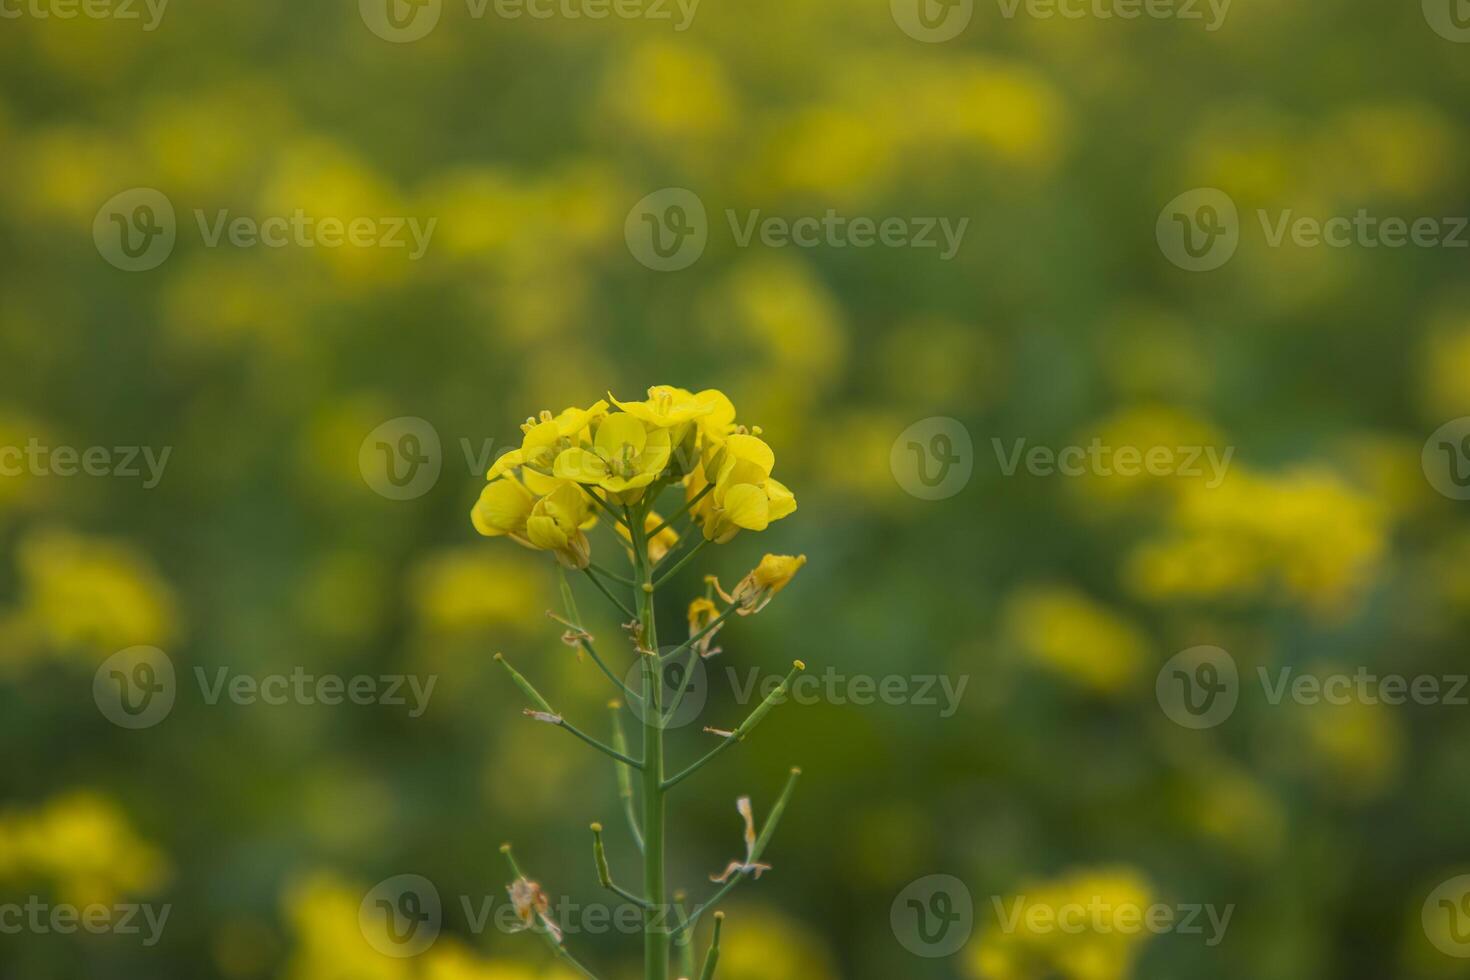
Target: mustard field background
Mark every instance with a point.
(268, 541)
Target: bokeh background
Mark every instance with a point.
(264, 547)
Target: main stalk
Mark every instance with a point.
(656, 922)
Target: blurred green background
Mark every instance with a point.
(264, 548)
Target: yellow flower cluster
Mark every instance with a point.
(82, 594)
(547, 494)
(1106, 901)
(1305, 535)
(323, 912)
(1077, 637)
(81, 845)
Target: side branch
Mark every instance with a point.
(767, 832)
(604, 874)
(545, 712)
(745, 728)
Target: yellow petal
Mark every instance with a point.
(752, 449)
(579, 465)
(502, 508)
(544, 532)
(505, 463)
(783, 501)
(746, 506)
(617, 432)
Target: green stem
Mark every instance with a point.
(656, 931)
(740, 733)
(585, 641)
(625, 580)
(547, 713)
(767, 832)
(688, 505)
(611, 598)
(625, 774)
(681, 563)
(683, 689)
(626, 760)
(714, 624)
(713, 956)
(604, 874)
(683, 940)
(556, 947)
(602, 503)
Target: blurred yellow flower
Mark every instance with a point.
(1444, 389)
(1304, 535)
(81, 845)
(670, 94)
(1405, 150)
(322, 910)
(1350, 750)
(1197, 453)
(757, 945)
(462, 590)
(1028, 940)
(91, 594)
(1076, 637)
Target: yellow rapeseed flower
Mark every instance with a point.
(626, 455)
